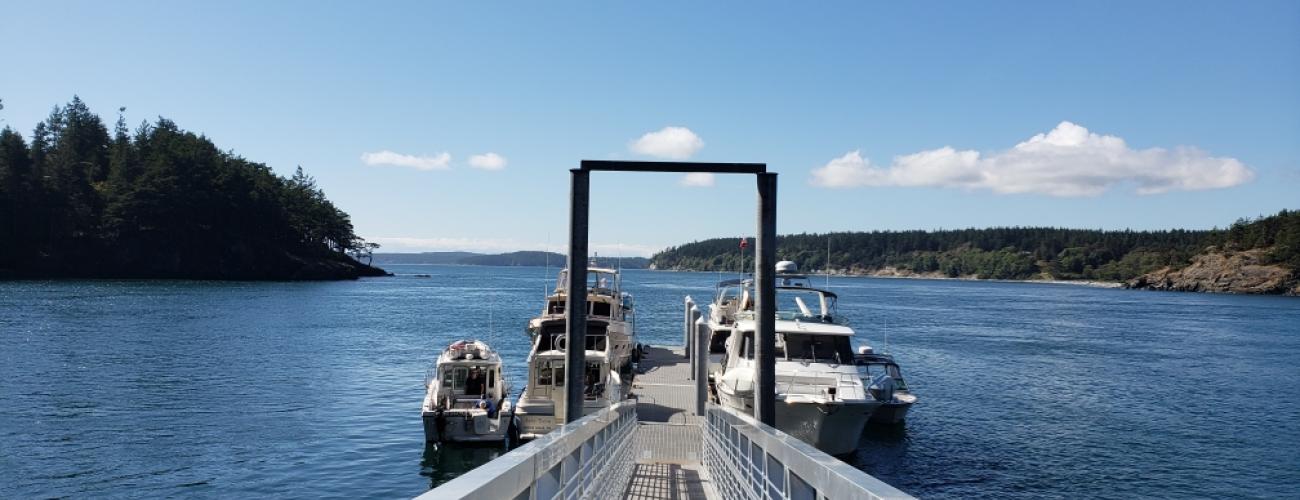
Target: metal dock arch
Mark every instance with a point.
(667, 441)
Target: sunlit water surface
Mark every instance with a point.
(145, 388)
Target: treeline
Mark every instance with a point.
(81, 200)
(523, 258)
(1003, 253)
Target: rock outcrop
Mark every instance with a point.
(1223, 272)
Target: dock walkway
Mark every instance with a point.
(669, 442)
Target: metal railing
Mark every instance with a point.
(587, 458)
(749, 460)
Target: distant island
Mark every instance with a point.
(1252, 256)
(527, 259)
(81, 201)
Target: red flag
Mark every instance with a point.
(743, 243)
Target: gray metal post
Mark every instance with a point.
(765, 306)
(575, 309)
(686, 324)
(694, 321)
(701, 366)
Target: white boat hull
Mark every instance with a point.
(538, 419)
(478, 428)
(833, 427)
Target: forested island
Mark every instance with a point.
(1251, 256)
(83, 201)
(523, 258)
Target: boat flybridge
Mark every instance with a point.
(820, 396)
(610, 314)
(542, 406)
(466, 397)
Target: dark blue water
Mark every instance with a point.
(313, 389)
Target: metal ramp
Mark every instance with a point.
(669, 435)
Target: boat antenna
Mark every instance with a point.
(546, 290)
(828, 261)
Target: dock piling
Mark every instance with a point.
(701, 366)
(765, 285)
(575, 309)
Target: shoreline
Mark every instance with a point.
(939, 277)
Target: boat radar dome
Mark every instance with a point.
(787, 266)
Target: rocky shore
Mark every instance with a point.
(1223, 272)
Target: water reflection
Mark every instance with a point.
(442, 462)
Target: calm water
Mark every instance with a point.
(312, 389)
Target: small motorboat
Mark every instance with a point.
(885, 381)
(467, 397)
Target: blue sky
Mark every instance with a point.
(1153, 114)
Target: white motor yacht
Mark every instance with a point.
(541, 407)
(466, 396)
(820, 396)
(610, 314)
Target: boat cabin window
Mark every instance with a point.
(555, 307)
(747, 347)
(555, 340)
(718, 344)
(825, 348)
(601, 309)
(457, 377)
(550, 373)
(591, 380)
(492, 379)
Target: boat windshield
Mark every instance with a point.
(553, 337)
(599, 281)
(806, 305)
(817, 348)
(873, 370)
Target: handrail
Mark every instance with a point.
(749, 460)
(587, 458)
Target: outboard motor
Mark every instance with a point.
(882, 388)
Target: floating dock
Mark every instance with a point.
(656, 445)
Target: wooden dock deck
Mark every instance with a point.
(668, 438)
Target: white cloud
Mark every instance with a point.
(675, 143)
(697, 179)
(1067, 161)
(488, 161)
(440, 161)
